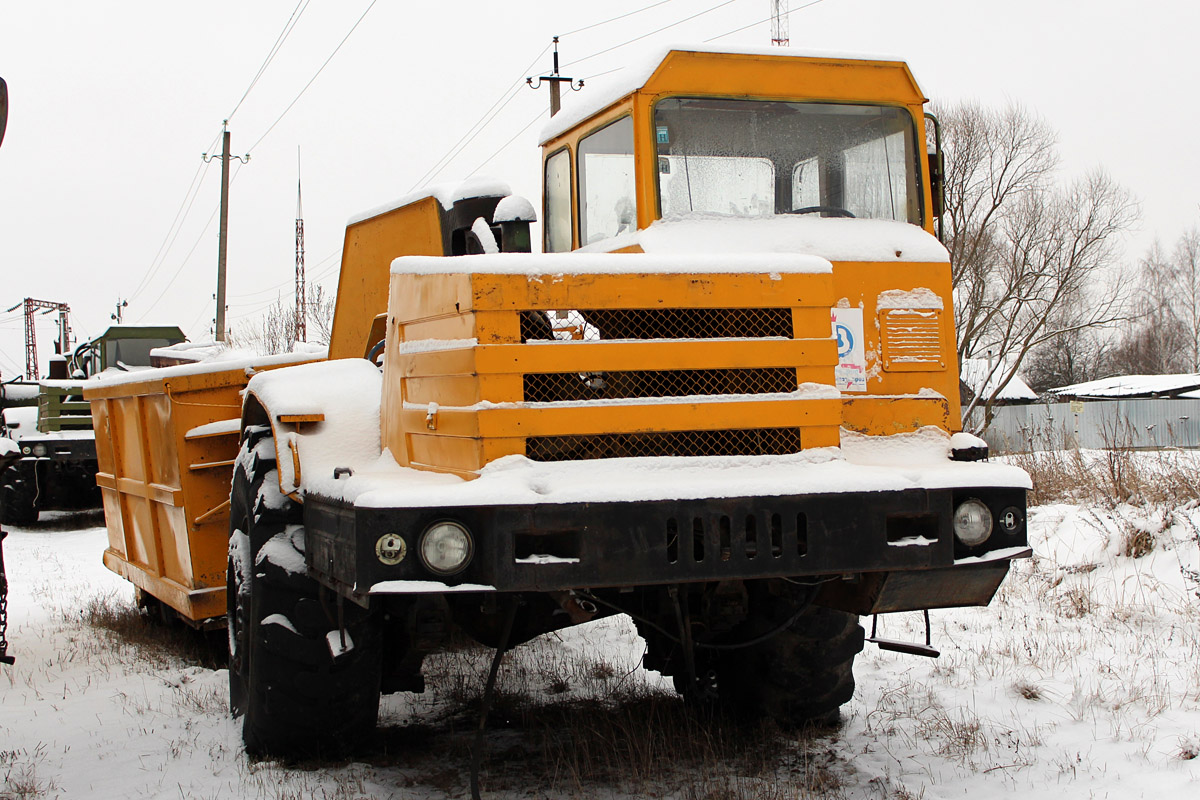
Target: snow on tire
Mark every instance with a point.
(305, 688)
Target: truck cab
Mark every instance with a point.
(702, 152)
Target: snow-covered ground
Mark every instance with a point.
(1081, 680)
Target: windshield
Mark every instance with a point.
(133, 352)
(755, 158)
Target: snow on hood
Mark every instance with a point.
(699, 261)
(833, 239)
(8, 447)
(347, 391)
(22, 419)
(861, 464)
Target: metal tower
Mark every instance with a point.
(779, 22)
(64, 331)
(301, 311)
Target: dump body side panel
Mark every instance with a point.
(165, 449)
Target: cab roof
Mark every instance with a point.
(689, 69)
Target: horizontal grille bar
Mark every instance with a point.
(657, 323)
(755, 441)
(554, 386)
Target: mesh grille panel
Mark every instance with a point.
(657, 323)
(549, 387)
(760, 441)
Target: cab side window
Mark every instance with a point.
(607, 199)
(558, 203)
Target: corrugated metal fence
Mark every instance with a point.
(1094, 424)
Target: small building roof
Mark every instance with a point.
(1131, 386)
(974, 373)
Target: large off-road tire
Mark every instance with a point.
(800, 675)
(299, 699)
(19, 495)
(804, 674)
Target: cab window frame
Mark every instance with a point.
(569, 194)
(912, 131)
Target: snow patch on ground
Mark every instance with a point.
(1081, 680)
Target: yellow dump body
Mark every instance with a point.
(165, 448)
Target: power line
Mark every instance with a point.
(613, 19)
(288, 27)
(173, 231)
(762, 21)
(314, 77)
(484, 120)
(187, 257)
(652, 33)
(499, 150)
(280, 285)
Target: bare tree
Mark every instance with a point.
(1029, 256)
(275, 331)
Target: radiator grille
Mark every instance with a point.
(912, 339)
(657, 323)
(758, 441)
(555, 386)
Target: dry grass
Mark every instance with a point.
(160, 643)
(1111, 476)
(579, 727)
(19, 769)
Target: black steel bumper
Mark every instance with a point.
(593, 545)
(37, 448)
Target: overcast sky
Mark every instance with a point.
(111, 105)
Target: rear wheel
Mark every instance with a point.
(803, 674)
(306, 685)
(19, 495)
(800, 675)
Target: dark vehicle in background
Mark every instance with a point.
(56, 463)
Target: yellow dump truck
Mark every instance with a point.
(733, 416)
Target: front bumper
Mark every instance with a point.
(553, 547)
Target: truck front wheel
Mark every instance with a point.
(19, 495)
(307, 685)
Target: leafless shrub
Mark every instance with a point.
(1028, 691)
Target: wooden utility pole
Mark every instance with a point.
(222, 237)
(223, 234)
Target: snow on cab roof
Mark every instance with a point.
(603, 93)
(536, 264)
(446, 193)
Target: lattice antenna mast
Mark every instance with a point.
(30, 308)
(779, 23)
(301, 310)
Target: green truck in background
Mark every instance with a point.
(54, 466)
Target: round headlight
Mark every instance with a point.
(25, 450)
(445, 548)
(972, 523)
(39, 450)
